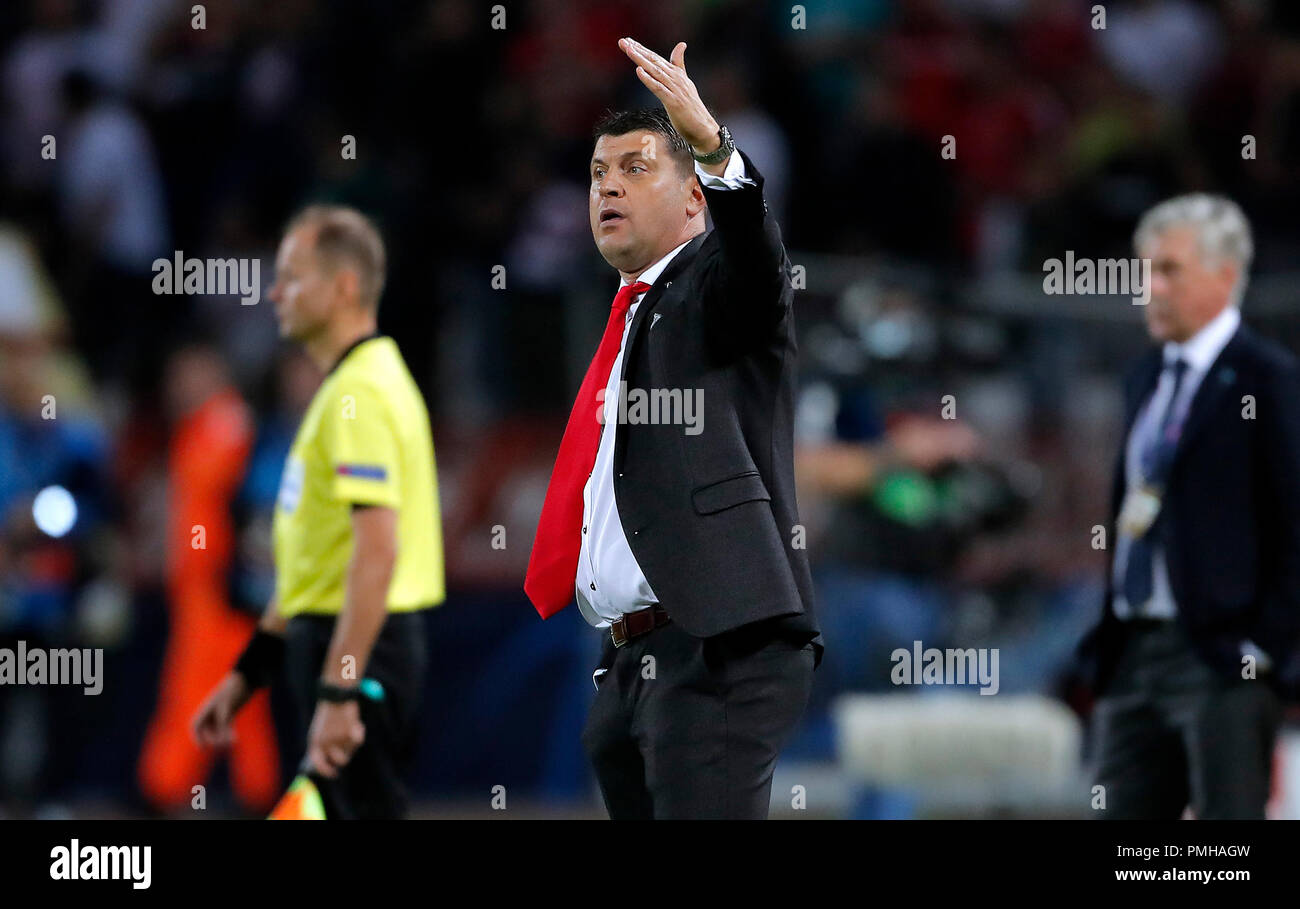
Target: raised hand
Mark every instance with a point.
(675, 90)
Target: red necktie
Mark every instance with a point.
(553, 565)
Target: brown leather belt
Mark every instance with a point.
(635, 624)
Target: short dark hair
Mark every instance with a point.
(650, 119)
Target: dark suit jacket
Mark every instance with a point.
(1230, 524)
(711, 517)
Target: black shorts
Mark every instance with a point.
(373, 784)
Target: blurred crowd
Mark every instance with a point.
(128, 134)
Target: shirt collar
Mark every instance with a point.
(1203, 348)
(651, 274)
(351, 347)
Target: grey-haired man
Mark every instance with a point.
(1202, 611)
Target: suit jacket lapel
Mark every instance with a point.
(675, 268)
(1221, 376)
(1143, 385)
(1138, 388)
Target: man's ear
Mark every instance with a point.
(1229, 272)
(695, 202)
(347, 283)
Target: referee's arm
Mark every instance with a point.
(374, 533)
(336, 729)
(272, 622)
(211, 726)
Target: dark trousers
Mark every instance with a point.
(1172, 732)
(686, 727)
(372, 785)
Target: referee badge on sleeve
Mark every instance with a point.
(363, 471)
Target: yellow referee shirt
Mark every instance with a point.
(365, 440)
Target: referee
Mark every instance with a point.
(358, 549)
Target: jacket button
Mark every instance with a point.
(593, 585)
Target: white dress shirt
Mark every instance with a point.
(609, 582)
(1199, 352)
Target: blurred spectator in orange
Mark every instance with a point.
(209, 451)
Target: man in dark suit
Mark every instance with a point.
(1199, 632)
(679, 532)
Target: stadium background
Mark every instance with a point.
(923, 280)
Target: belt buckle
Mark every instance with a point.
(628, 634)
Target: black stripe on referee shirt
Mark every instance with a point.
(351, 347)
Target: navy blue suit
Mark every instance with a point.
(1231, 523)
(1180, 720)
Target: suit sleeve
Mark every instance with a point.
(747, 285)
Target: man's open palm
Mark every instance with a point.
(670, 84)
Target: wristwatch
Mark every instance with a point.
(369, 688)
(722, 152)
(336, 694)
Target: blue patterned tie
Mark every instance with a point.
(1155, 457)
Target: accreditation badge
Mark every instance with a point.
(1138, 513)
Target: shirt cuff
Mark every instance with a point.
(733, 177)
